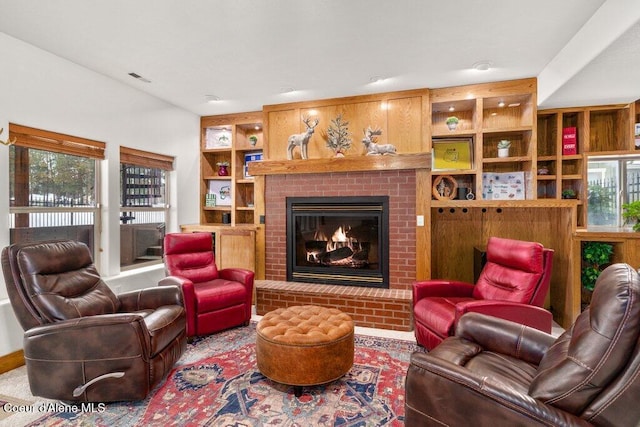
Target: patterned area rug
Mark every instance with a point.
(216, 383)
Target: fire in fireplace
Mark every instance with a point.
(338, 240)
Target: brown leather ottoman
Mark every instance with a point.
(304, 345)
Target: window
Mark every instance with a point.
(611, 182)
(53, 186)
(143, 206)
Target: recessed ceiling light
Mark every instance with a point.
(212, 98)
(501, 104)
(482, 65)
(452, 108)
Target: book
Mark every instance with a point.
(569, 141)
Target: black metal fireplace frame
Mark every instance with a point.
(377, 206)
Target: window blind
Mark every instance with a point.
(56, 142)
(135, 157)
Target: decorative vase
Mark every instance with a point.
(503, 152)
(223, 171)
(452, 125)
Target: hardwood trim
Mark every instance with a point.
(341, 164)
(11, 361)
(131, 156)
(56, 142)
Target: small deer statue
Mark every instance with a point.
(302, 139)
(374, 149)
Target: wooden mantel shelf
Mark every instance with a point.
(341, 164)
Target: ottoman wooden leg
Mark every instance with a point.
(297, 390)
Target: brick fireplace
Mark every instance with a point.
(370, 307)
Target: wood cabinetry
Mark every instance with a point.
(228, 139)
(233, 247)
(489, 113)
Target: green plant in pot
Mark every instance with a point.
(452, 122)
(631, 211)
(595, 256)
(568, 193)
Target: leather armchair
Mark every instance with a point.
(512, 285)
(496, 372)
(82, 342)
(214, 299)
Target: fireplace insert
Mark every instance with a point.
(338, 240)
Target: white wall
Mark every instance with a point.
(43, 91)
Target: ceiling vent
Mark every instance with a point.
(139, 77)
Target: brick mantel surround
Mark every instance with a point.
(381, 176)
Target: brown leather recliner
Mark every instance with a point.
(496, 372)
(82, 342)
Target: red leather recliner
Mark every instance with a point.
(214, 299)
(512, 285)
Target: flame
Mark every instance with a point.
(339, 239)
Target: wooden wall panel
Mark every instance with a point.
(456, 231)
(281, 124)
(397, 114)
(405, 124)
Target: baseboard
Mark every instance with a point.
(11, 361)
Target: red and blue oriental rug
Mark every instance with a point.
(216, 383)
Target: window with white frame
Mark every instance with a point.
(612, 181)
(53, 183)
(144, 206)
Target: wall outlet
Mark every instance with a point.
(420, 220)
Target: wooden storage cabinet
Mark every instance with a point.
(233, 247)
(235, 193)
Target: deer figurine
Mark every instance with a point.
(374, 149)
(302, 139)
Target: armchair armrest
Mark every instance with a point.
(441, 288)
(238, 275)
(150, 298)
(504, 336)
(525, 314)
(457, 387)
(189, 298)
(106, 336)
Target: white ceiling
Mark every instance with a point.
(246, 52)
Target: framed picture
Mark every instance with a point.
(217, 137)
(251, 157)
(452, 154)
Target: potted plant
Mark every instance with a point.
(595, 257)
(503, 148)
(222, 168)
(253, 140)
(569, 193)
(452, 122)
(631, 211)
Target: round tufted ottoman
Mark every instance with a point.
(304, 345)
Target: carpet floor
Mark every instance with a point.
(216, 383)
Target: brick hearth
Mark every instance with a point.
(382, 308)
(368, 307)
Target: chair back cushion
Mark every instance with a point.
(190, 255)
(597, 348)
(512, 272)
(55, 281)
